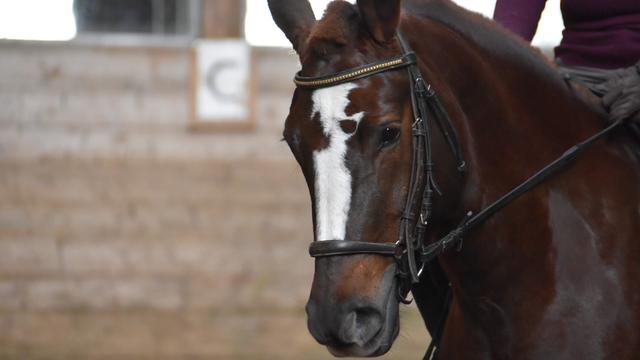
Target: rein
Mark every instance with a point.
(410, 251)
(455, 236)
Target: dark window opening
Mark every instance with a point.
(161, 17)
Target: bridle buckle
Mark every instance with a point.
(422, 88)
(423, 220)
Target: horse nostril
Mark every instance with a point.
(360, 326)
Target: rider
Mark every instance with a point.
(600, 46)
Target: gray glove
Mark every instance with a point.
(622, 94)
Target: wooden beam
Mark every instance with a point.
(222, 18)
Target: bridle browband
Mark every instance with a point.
(356, 73)
(408, 250)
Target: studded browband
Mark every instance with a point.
(356, 73)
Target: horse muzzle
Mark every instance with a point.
(352, 309)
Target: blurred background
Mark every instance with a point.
(148, 209)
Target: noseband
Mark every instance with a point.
(409, 251)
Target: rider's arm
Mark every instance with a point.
(519, 16)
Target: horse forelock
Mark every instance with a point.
(335, 29)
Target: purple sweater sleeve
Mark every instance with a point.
(519, 16)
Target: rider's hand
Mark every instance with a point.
(623, 96)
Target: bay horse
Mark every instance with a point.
(553, 274)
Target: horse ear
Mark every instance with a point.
(381, 17)
(295, 18)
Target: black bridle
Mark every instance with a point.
(410, 252)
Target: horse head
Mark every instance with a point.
(353, 142)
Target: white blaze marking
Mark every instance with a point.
(333, 180)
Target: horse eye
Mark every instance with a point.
(389, 136)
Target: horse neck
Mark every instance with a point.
(514, 115)
(503, 100)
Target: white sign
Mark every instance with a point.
(222, 81)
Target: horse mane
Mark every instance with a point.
(485, 33)
(500, 43)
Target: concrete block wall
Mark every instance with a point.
(108, 200)
(124, 233)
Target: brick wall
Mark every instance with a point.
(124, 234)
